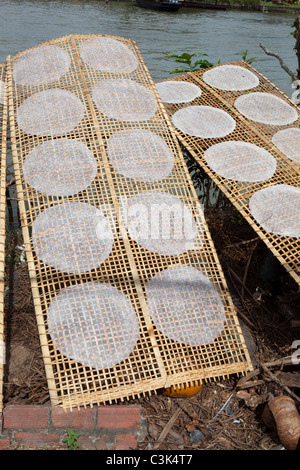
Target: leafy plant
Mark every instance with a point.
(191, 65)
(71, 439)
(244, 57)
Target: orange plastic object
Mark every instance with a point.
(182, 392)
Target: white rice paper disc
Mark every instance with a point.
(205, 122)
(108, 55)
(2, 92)
(266, 108)
(185, 305)
(140, 154)
(160, 222)
(230, 78)
(288, 142)
(42, 65)
(240, 161)
(50, 112)
(124, 99)
(60, 167)
(72, 237)
(93, 324)
(177, 92)
(277, 209)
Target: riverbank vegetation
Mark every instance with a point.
(284, 6)
(276, 5)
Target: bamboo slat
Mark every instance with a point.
(3, 125)
(256, 162)
(128, 289)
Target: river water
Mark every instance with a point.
(222, 35)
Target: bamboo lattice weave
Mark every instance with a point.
(128, 290)
(249, 146)
(3, 125)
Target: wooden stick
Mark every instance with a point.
(167, 428)
(279, 362)
(282, 64)
(245, 242)
(275, 379)
(247, 268)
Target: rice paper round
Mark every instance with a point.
(178, 91)
(205, 122)
(124, 100)
(185, 305)
(288, 142)
(43, 65)
(266, 108)
(277, 209)
(240, 161)
(161, 222)
(108, 55)
(72, 237)
(50, 112)
(60, 167)
(140, 154)
(230, 78)
(94, 324)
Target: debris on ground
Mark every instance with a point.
(225, 414)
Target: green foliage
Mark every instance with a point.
(71, 439)
(283, 5)
(246, 3)
(244, 57)
(191, 65)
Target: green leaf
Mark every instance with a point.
(200, 53)
(244, 57)
(170, 55)
(179, 70)
(204, 64)
(71, 439)
(186, 56)
(184, 61)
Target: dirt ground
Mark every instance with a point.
(223, 415)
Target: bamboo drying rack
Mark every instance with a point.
(285, 248)
(156, 361)
(3, 124)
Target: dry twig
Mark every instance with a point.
(282, 64)
(278, 382)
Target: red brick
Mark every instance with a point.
(76, 419)
(119, 417)
(86, 443)
(37, 440)
(25, 417)
(100, 442)
(4, 444)
(126, 442)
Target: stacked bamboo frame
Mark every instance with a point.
(251, 129)
(3, 126)
(119, 317)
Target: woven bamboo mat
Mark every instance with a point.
(3, 125)
(128, 290)
(245, 133)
